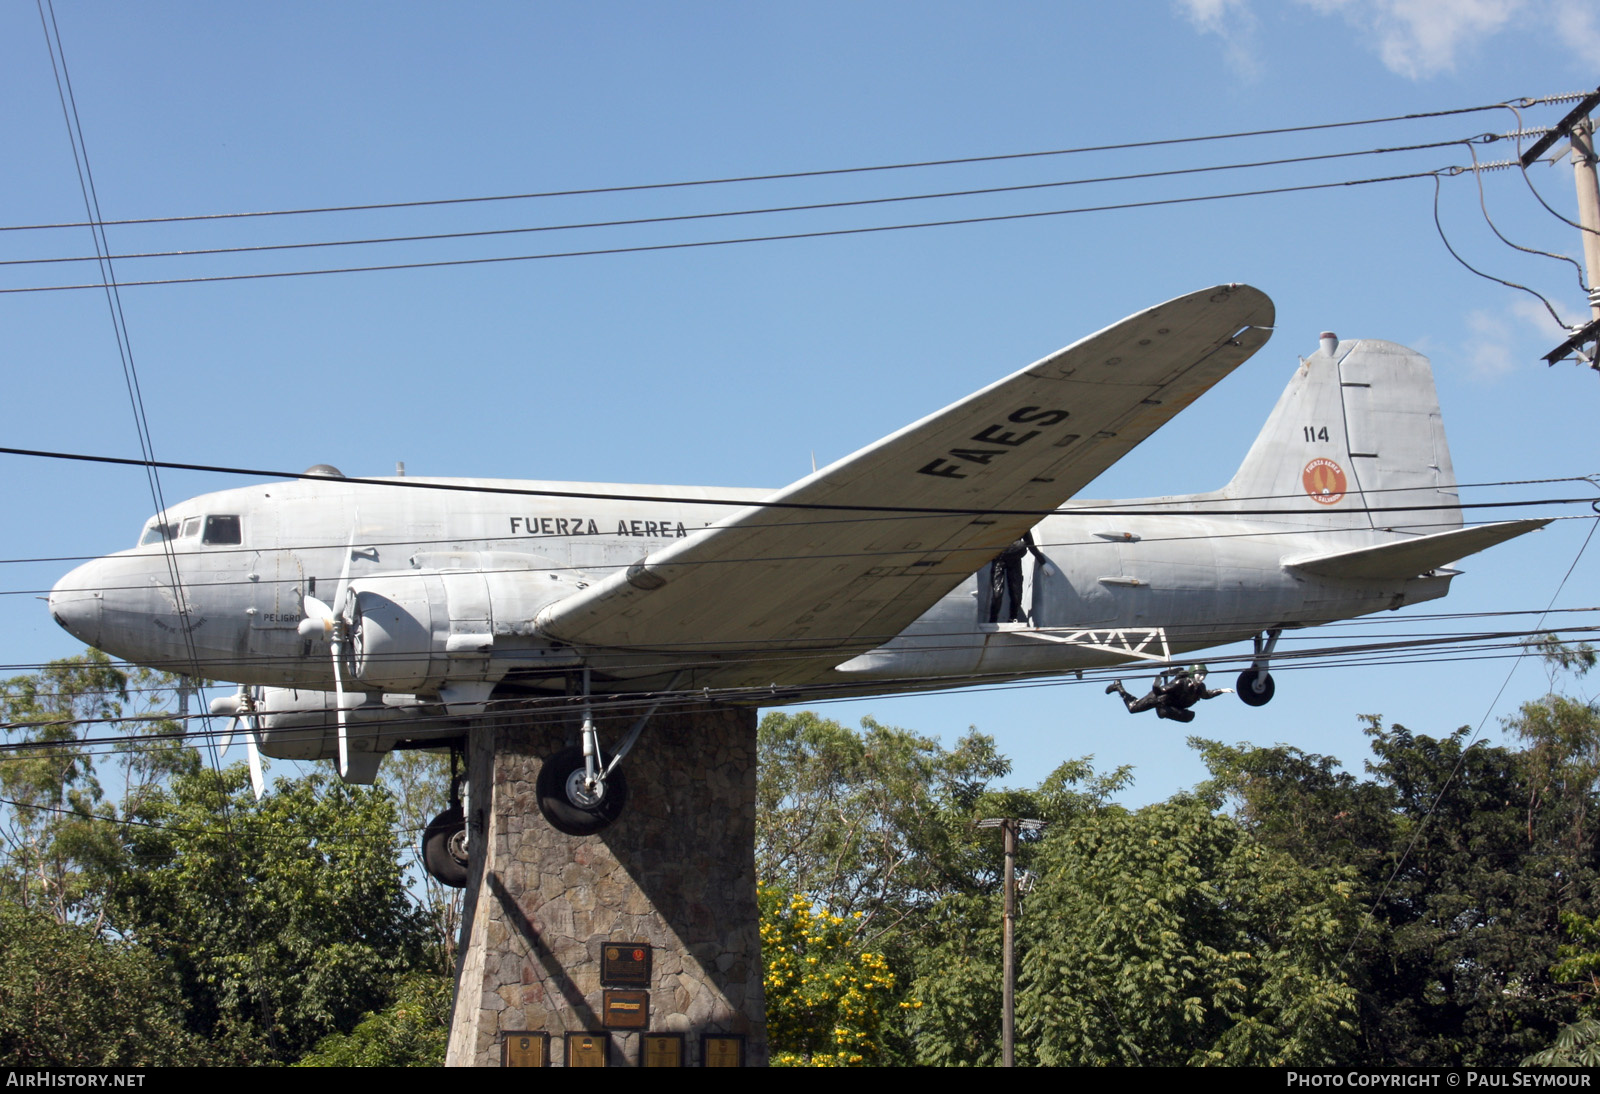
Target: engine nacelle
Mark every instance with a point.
(413, 630)
(297, 724)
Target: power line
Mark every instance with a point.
(1499, 644)
(809, 207)
(694, 244)
(1523, 103)
(472, 487)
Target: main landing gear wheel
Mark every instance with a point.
(444, 848)
(1255, 688)
(568, 803)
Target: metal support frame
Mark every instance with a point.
(1130, 642)
(595, 766)
(1264, 650)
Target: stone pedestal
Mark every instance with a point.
(676, 871)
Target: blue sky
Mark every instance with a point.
(734, 364)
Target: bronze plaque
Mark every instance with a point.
(625, 964)
(625, 1008)
(523, 1048)
(661, 1050)
(722, 1050)
(587, 1049)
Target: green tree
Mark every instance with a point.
(284, 919)
(1466, 854)
(413, 1031)
(420, 783)
(957, 960)
(1170, 936)
(876, 823)
(56, 845)
(70, 997)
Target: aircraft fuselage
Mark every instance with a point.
(217, 589)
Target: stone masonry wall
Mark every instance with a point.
(676, 870)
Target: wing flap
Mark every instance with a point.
(847, 557)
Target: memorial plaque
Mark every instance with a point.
(588, 1049)
(625, 964)
(722, 1050)
(661, 1050)
(625, 1008)
(524, 1048)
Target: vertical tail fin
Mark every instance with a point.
(1356, 441)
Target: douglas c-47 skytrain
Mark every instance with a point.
(363, 615)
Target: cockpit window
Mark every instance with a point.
(156, 532)
(191, 527)
(222, 530)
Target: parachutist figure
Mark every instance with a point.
(1005, 579)
(1171, 698)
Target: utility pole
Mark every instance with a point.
(1010, 826)
(1580, 129)
(1588, 206)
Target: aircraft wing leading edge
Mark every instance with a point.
(849, 556)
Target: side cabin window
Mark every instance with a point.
(222, 530)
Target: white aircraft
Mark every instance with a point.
(363, 615)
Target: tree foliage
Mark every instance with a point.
(1170, 936)
(70, 997)
(873, 826)
(413, 1031)
(827, 996)
(284, 919)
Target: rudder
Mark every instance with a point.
(1355, 441)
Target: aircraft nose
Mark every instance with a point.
(77, 603)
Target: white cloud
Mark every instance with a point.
(1422, 38)
(1489, 355)
(1576, 21)
(1417, 39)
(1510, 340)
(1209, 15)
(1234, 23)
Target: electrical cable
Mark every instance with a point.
(590, 191)
(80, 152)
(811, 207)
(1461, 758)
(472, 487)
(1534, 189)
(1483, 204)
(695, 244)
(1488, 277)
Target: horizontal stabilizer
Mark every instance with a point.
(1404, 558)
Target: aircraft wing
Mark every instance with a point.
(847, 557)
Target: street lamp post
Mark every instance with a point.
(1009, 826)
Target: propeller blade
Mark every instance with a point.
(338, 692)
(344, 575)
(226, 738)
(257, 783)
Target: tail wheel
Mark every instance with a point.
(566, 800)
(1255, 688)
(444, 848)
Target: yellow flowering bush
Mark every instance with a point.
(825, 995)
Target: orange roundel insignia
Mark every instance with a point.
(1324, 481)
